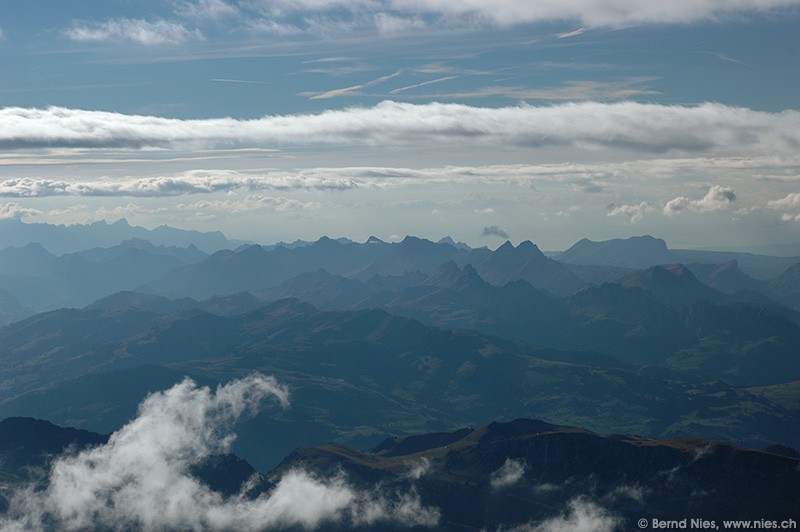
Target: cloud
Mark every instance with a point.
(591, 12)
(250, 203)
(141, 478)
(335, 93)
(509, 474)
(13, 211)
(494, 230)
(391, 16)
(570, 91)
(644, 128)
(717, 198)
(135, 30)
(419, 468)
(790, 204)
(635, 213)
(191, 182)
(207, 9)
(423, 84)
(574, 33)
(582, 516)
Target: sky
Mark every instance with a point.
(276, 120)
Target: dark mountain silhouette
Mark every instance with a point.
(28, 444)
(525, 472)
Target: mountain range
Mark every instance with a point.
(397, 347)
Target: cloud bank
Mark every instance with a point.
(637, 127)
(141, 477)
(13, 211)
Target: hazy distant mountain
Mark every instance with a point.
(648, 322)
(60, 239)
(42, 281)
(786, 286)
(525, 262)
(258, 269)
(642, 252)
(11, 309)
(635, 252)
(523, 472)
(726, 277)
(23, 260)
(761, 267)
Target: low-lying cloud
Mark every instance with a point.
(582, 515)
(509, 474)
(141, 477)
(494, 230)
(630, 126)
(717, 198)
(14, 211)
(634, 213)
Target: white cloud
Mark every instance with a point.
(717, 198)
(191, 182)
(139, 31)
(582, 516)
(400, 15)
(790, 204)
(423, 84)
(335, 93)
(419, 468)
(592, 12)
(635, 213)
(509, 474)
(141, 478)
(10, 211)
(648, 128)
(207, 9)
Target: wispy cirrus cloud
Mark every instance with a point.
(646, 128)
(335, 93)
(422, 84)
(390, 16)
(139, 31)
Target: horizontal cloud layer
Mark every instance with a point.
(648, 128)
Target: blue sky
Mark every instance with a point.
(274, 120)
